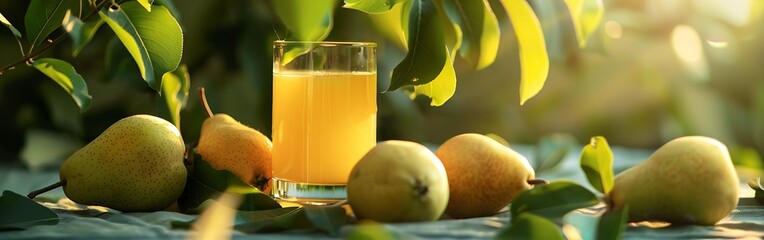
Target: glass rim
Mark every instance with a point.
(282, 43)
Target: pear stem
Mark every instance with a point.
(34, 193)
(537, 181)
(203, 97)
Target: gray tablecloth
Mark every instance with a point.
(78, 221)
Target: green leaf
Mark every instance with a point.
(175, 87)
(307, 20)
(586, 16)
(559, 34)
(552, 200)
(64, 74)
(390, 23)
(376, 231)
(245, 217)
(370, 231)
(205, 183)
(426, 56)
(597, 163)
(255, 201)
(599, 42)
(451, 31)
(405, 23)
(534, 61)
(19, 212)
(8, 24)
(442, 87)
(177, 224)
(613, 224)
(590, 18)
(60, 109)
(293, 218)
(146, 4)
(118, 62)
(254, 216)
(479, 27)
(44, 16)
(530, 226)
(371, 6)
(169, 5)
(755, 184)
(328, 219)
(128, 34)
(552, 149)
(154, 39)
(80, 32)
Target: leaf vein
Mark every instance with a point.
(416, 38)
(42, 29)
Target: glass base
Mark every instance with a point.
(308, 193)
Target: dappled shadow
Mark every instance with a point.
(724, 229)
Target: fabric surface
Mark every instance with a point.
(91, 222)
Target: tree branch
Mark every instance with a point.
(59, 39)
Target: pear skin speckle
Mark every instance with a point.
(688, 180)
(136, 165)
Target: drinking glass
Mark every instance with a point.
(324, 116)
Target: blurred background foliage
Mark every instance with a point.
(653, 71)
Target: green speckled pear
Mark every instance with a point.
(689, 180)
(136, 165)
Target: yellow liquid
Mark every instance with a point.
(323, 123)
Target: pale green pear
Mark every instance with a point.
(398, 181)
(689, 180)
(134, 165)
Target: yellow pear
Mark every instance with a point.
(398, 181)
(689, 180)
(135, 165)
(229, 145)
(483, 175)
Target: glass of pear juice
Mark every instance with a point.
(324, 117)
